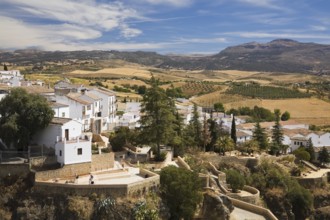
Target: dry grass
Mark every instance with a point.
(308, 110)
(47, 78)
(175, 84)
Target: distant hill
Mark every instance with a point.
(282, 55)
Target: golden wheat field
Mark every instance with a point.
(125, 72)
(307, 110)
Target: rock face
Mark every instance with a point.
(216, 207)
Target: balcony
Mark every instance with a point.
(82, 138)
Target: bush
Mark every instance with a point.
(285, 116)
(181, 190)
(302, 154)
(161, 157)
(302, 202)
(235, 180)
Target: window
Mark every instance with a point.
(63, 114)
(89, 107)
(60, 153)
(79, 151)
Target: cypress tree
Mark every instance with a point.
(233, 130)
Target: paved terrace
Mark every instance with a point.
(316, 174)
(238, 214)
(115, 176)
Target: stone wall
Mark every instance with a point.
(103, 161)
(313, 182)
(151, 183)
(82, 190)
(252, 199)
(254, 209)
(37, 162)
(67, 171)
(244, 161)
(14, 169)
(182, 163)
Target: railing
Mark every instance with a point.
(72, 140)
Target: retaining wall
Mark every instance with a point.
(41, 161)
(14, 170)
(102, 161)
(116, 190)
(67, 171)
(253, 208)
(244, 161)
(183, 164)
(313, 182)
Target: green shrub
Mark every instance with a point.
(181, 190)
(235, 180)
(161, 157)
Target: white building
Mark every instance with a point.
(243, 136)
(107, 106)
(131, 116)
(95, 108)
(60, 110)
(65, 136)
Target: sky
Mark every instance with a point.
(163, 26)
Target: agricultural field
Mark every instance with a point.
(124, 72)
(265, 92)
(206, 87)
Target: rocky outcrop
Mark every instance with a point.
(216, 207)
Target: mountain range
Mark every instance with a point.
(281, 55)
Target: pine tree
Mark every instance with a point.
(5, 68)
(324, 156)
(196, 126)
(310, 149)
(157, 120)
(233, 130)
(260, 136)
(277, 134)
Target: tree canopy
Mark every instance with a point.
(324, 156)
(22, 115)
(285, 116)
(181, 190)
(260, 136)
(235, 180)
(218, 107)
(158, 116)
(277, 133)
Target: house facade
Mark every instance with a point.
(65, 136)
(95, 108)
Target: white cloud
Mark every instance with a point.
(128, 32)
(262, 3)
(86, 13)
(19, 34)
(318, 28)
(176, 3)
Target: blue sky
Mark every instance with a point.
(164, 26)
